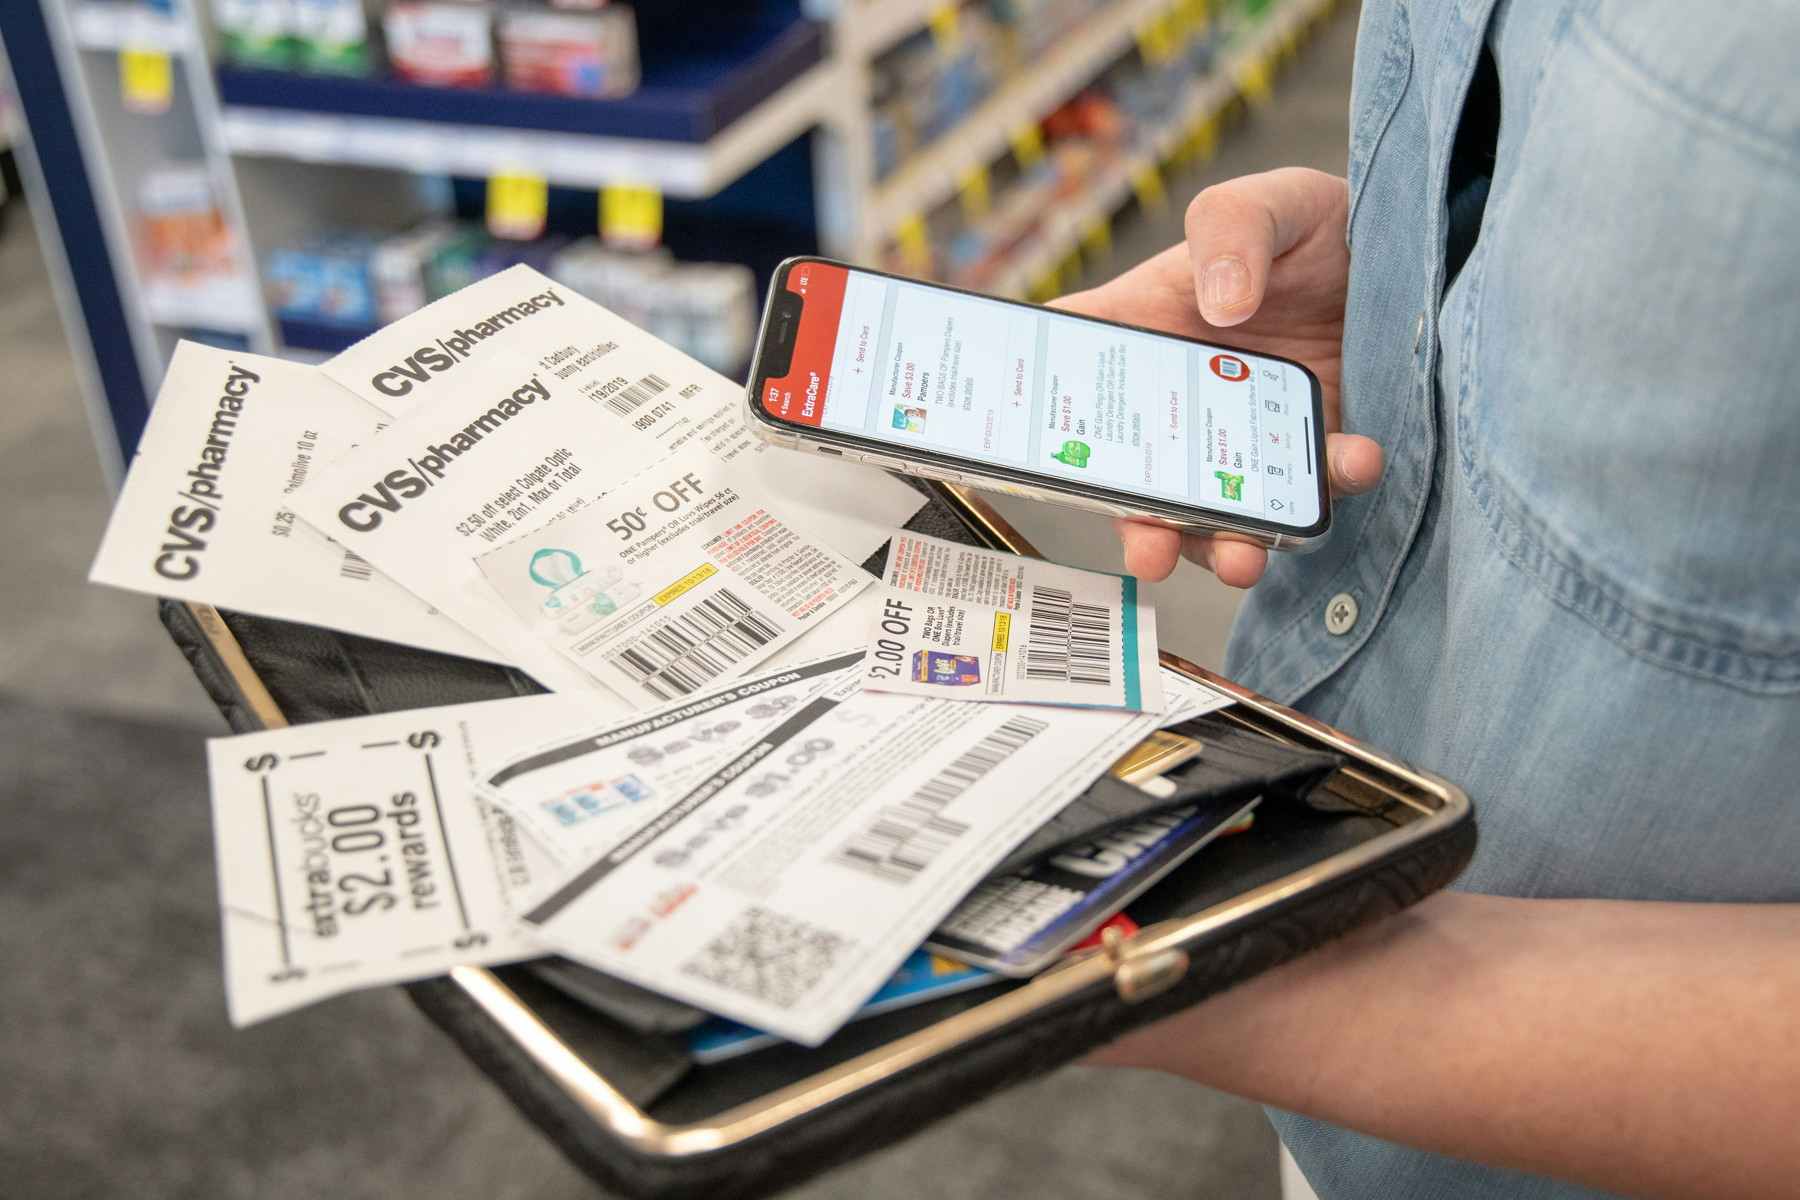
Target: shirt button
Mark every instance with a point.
(1340, 614)
(1418, 336)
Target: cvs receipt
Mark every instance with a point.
(207, 511)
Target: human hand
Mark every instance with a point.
(1265, 260)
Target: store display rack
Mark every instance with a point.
(100, 25)
(304, 148)
(931, 177)
(689, 129)
(1243, 74)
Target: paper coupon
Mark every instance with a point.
(486, 337)
(438, 487)
(206, 511)
(921, 978)
(788, 883)
(683, 577)
(493, 337)
(525, 426)
(1188, 698)
(354, 853)
(582, 793)
(975, 624)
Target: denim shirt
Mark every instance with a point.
(1576, 591)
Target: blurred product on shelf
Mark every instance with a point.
(182, 235)
(930, 82)
(328, 279)
(569, 53)
(397, 266)
(584, 48)
(359, 282)
(325, 36)
(707, 310)
(332, 37)
(1093, 143)
(255, 33)
(1036, 25)
(440, 43)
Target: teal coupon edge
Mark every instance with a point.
(1128, 642)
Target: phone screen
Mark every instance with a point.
(1020, 388)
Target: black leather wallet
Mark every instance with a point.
(602, 1067)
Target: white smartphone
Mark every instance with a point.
(937, 382)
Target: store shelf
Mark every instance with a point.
(320, 337)
(114, 27)
(228, 304)
(1061, 232)
(880, 25)
(930, 177)
(690, 129)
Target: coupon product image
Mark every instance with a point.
(686, 576)
(943, 668)
(355, 853)
(207, 510)
(987, 625)
(783, 887)
(581, 793)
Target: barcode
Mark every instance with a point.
(356, 567)
(905, 838)
(1068, 641)
(637, 395)
(679, 655)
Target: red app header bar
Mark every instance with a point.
(799, 396)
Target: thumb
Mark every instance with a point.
(1236, 229)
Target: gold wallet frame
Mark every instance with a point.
(1143, 965)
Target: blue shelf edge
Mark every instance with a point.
(690, 100)
(321, 337)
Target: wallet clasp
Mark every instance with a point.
(1138, 977)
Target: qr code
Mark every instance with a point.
(768, 957)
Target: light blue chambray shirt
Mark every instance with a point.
(1577, 589)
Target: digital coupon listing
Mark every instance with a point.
(1080, 401)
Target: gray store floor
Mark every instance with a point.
(122, 1075)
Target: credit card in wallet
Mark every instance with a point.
(1018, 924)
(920, 978)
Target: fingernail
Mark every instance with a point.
(1352, 481)
(1224, 284)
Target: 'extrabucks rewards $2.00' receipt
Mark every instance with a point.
(354, 853)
